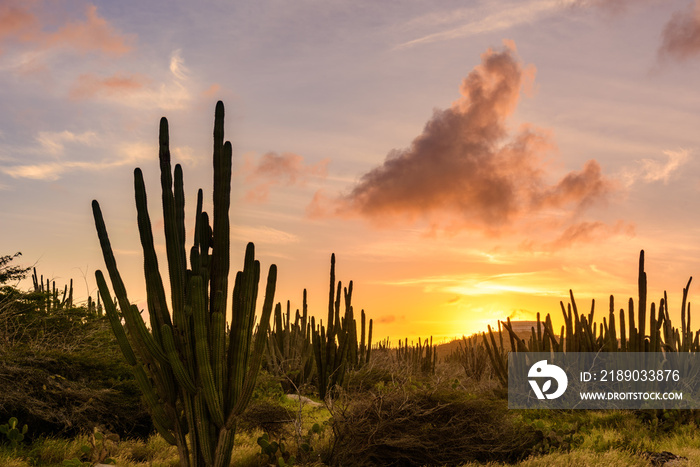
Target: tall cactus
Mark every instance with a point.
(194, 381)
(336, 348)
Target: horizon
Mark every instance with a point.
(465, 165)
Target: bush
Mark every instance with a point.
(428, 426)
(61, 370)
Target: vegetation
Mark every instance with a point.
(60, 369)
(82, 384)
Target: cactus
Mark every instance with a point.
(581, 334)
(195, 380)
(472, 356)
(335, 345)
(50, 293)
(421, 357)
(13, 434)
(289, 351)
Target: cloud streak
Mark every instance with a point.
(89, 85)
(466, 171)
(503, 17)
(127, 154)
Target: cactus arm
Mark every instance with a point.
(642, 285)
(203, 429)
(181, 374)
(114, 320)
(173, 220)
(258, 348)
(154, 283)
(218, 349)
(222, 201)
(149, 395)
(244, 298)
(202, 352)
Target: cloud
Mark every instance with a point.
(16, 22)
(541, 283)
(612, 6)
(521, 314)
(212, 91)
(587, 232)
(94, 34)
(89, 85)
(23, 23)
(53, 142)
(385, 319)
(263, 235)
(652, 170)
(177, 65)
(173, 91)
(500, 18)
(127, 154)
(465, 170)
(582, 188)
(680, 39)
(278, 169)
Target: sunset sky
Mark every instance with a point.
(465, 161)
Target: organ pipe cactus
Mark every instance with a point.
(336, 348)
(195, 381)
(581, 334)
(289, 351)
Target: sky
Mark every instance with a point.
(465, 161)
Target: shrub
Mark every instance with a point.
(427, 426)
(62, 372)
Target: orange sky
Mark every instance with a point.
(464, 164)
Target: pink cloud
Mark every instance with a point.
(93, 34)
(466, 170)
(89, 85)
(22, 22)
(680, 39)
(279, 169)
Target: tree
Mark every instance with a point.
(11, 273)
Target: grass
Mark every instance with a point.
(382, 391)
(605, 438)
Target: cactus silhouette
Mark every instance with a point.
(581, 334)
(195, 380)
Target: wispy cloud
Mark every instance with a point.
(542, 283)
(271, 169)
(171, 91)
(53, 143)
(263, 235)
(589, 231)
(90, 85)
(654, 170)
(500, 18)
(126, 154)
